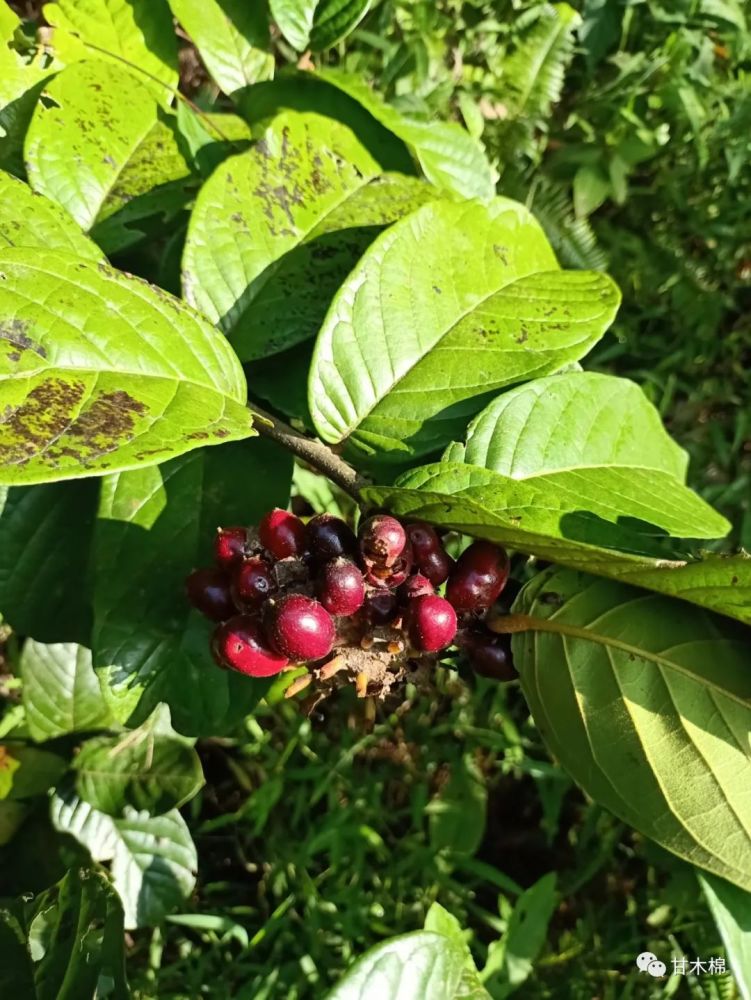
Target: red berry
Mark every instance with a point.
(300, 628)
(340, 587)
(229, 546)
(478, 578)
(415, 586)
(252, 583)
(329, 537)
(382, 540)
(431, 623)
(489, 655)
(209, 591)
(239, 644)
(282, 533)
(381, 607)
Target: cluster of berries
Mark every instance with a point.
(290, 593)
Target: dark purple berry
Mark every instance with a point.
(415, 586)
(252, 583)
(430, 622)
(328, 537)
(381, 607)
(478, 577)
(282, 533)
(300, 628)
(382, 540)
(436, 566)
(239, 644)
(340, 587)
(489, 655)
(229, 546)
(209, 591)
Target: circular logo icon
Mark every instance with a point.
(643, 960)
(657, 968)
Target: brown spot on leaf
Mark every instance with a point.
(39, 420)
(15, 332)
(106, 424)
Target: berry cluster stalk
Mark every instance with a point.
(315, 453)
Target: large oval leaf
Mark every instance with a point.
(575, 420)
(138, 32)
(646, 702)
(156, 525)
(28, 219)
(418, 966)
(153, 857)
(95, 153)
(277, 229)
(449, 304)
(61, 693)
(232, 37)
(317, 24)
(100, 371)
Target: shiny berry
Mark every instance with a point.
(340, 587)
(381, 607)
(209, 591)
(478, 578)
(489, 655)
(300, 628)
(282, 533)
(229, 546)
(328, 537)
(415, 586)
(239, 644)
(430, 622)
(382, 540)
(436, 566)
(252, 583)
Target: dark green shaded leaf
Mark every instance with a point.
(156, 525)
(45, 537)
(731, 909)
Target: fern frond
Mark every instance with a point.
(533, 74)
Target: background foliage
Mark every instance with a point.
(624, 127)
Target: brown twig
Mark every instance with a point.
(315, 453)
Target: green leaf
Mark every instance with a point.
(277, 229)
(731, 909)
(94, 153)
(645, 702)
(232, 38)
(294, 90)
(418, 966)
(101, 371)
(317, 24)
(449, 156)
(76, 939)
(211, 137)
(137, 32)
(457, 813)
(441, 921)
(16, 969)
(148, 768)
(390, 385)
(45, 537)
(156, 525)
(511, 960)
(61, 693)
(575, 420)
(153, 857)
(22, 78)
(27, 771)
(28, 219)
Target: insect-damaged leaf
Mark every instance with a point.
(101, 371)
